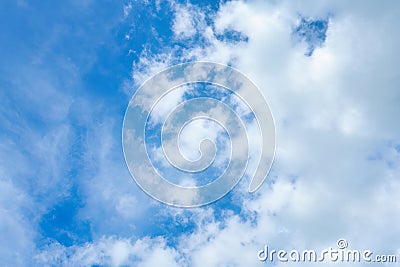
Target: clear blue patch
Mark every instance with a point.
(211, 5)
(311, 31)
(374, 157)
(232, 36)
(61, 223)
(397, 148)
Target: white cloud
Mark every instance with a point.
(15, 228)
(184, 23)
(332, 110)
(127, 9)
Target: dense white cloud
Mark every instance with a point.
(184, 23)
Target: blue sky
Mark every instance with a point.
(69, 69)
